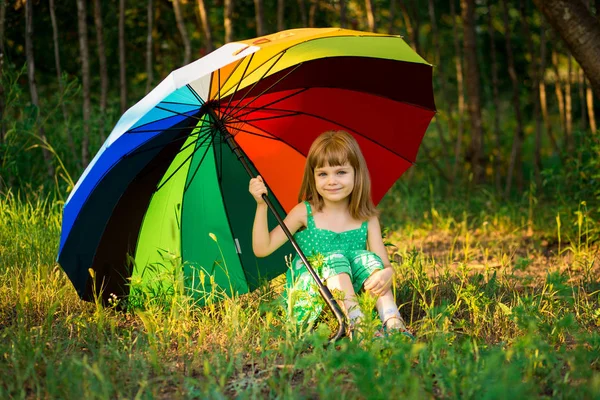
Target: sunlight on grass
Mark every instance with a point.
(500, 305)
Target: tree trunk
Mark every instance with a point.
(579, 30)
(391, 27)
(370, 8)
(312, 13)
(515, 154)
(412, 23)
(2, 22)
(228, 16)
(61, 86)
(542, 89)
(589, 95)
(85, 79)
(2, 118)
(280, 15)
(122, 63)
(343, 22)
(442, 79)
(206, 25)
(303, 16)
(461, 94)
(32, 83)
(260, 19)
(102, 62)
(187, 55)
(149, 65)
(558, 90)
(581, 91)
(497, 152)
(569, 108)
(533, 72)
(472, 81)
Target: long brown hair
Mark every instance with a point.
(336, 148)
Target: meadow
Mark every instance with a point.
(503, 298)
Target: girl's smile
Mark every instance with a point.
(335, 183)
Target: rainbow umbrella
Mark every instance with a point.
(169, 185)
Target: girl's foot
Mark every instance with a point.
(395, 324)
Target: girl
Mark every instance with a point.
(334, 223)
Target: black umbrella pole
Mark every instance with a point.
(324, 290)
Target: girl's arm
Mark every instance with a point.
(381, 281)
(263, 241)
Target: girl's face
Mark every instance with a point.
(335, 184)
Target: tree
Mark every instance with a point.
(303, 16)
(542, 90)
(533, 73)
(187, 48)
(32, 83)
(579, 30)
(205, 25)
(459, 90)
(228, 20)
(343, 14)
(260, 17)
(122, 63)
(61, 86)
(149, 66)
(518, 137)
(312, 13)
(280, 15)
(370, 14)
(472, 83)
(2, 120)
(85, 79)
(102, 62)
(497, 152)
(437, 60)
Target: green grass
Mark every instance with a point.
(505, 303)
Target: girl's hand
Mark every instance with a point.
(380, 282)
(257, 189)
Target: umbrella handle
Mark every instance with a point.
(323, 290)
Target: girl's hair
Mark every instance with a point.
(336, 148)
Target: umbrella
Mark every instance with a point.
(169, 185)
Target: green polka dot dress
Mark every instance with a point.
(330, 253)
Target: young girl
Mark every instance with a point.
(334, 223)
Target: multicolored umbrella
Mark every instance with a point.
(169, 185)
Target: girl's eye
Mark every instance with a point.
(321, 174)
(341, 172)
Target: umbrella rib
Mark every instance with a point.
(241, 79)
(160, 119)
(258, 134)
(290, 114)
(273, 138)
(196, 95)
(267, 89)
(135, 153)
(187, 186)
(336, 123)
(258, 80)
(271, 103)
(178, 113)
(183, 163)
(180, 150)
(310, 39)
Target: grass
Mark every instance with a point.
(504, 298)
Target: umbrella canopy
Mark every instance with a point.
(166, 186)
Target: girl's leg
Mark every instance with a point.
(388, 311)
(343, 283)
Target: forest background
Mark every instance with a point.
(494, 233)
